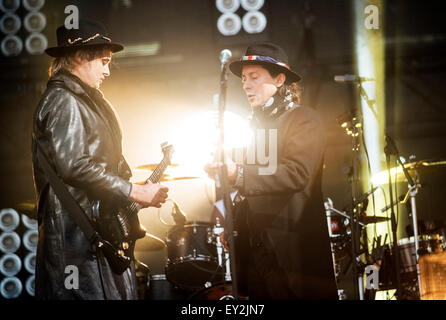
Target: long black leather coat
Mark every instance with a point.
(82, 141)
(284, 212)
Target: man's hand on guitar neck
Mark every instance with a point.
(149, 194)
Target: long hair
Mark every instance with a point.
(68, 62)
(288, 88)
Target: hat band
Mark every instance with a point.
(265, 59)
(89, 39)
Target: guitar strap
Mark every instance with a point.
(75, 210)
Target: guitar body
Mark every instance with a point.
(120, 228)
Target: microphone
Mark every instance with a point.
(364, 196)
(347, 78)
(225, 55)
(178, 215)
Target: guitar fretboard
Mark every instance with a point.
(156, 175)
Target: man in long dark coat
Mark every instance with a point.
(81, 138)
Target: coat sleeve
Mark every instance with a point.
(303, 147)
(68, 136)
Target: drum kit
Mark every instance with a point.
(422, 255)
(196, 264)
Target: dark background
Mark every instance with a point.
(184, 75)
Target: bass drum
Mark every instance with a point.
(192, 256)
(222, 291)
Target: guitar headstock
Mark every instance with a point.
(167, 151)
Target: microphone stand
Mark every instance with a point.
(391, 149)
(222, 180)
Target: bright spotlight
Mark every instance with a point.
(10, 264)
(9, 5)
(11, 46)
(36, 43)
(10, 23)
(10, 287)
(197, 138)
(34, 22)
(254, 22)
(33, 5)
(229, 24)
(226, 6)
(252, 5)
(9, 219)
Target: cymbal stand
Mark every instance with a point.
(413, 190)
(352, 127)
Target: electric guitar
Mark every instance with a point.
(121, 229)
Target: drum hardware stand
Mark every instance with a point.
(222, 177)
(329, 210)
(352, 127)
(391, 149)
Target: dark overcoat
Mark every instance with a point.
(81, 139)
(284, 210)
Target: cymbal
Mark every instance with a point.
(152, 166)
(422, 167)
(373, 219)
(149, 243)
(167, 178)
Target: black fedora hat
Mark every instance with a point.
(268, 54)
(89, 34)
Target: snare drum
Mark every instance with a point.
(192, 256)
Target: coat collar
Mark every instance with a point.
(272, 109)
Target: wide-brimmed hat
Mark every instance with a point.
(267, 54)
(89, 34)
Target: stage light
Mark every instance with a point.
(252, 5)
(197, 137)
(34, 22)
(30, 239)
(36, 43)
(10, 23)
(10, 264)
(9, 242)
(11, 46)
(254, 22)
(9, 219)
(229, 24)
(33, 5)
(30, 285)
(10, 287)
(227, 6)
(30, 262)
(9, 5)
(28, 222)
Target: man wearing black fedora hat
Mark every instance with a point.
(282, 244)
(77, 132)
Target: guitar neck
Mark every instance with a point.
(156, 175)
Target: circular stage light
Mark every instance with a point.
(9, 242)
(36, 43)
(10, 264)
(33, 5)
(30, 285)
(10, 23)
(254, 22)
(229, 24)
(30, 239)
(226, 6)
(9, 219)
(30, 262)
(9, 5)
(252, 5)
(34, 22)
(10, 287)
(28, 222)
